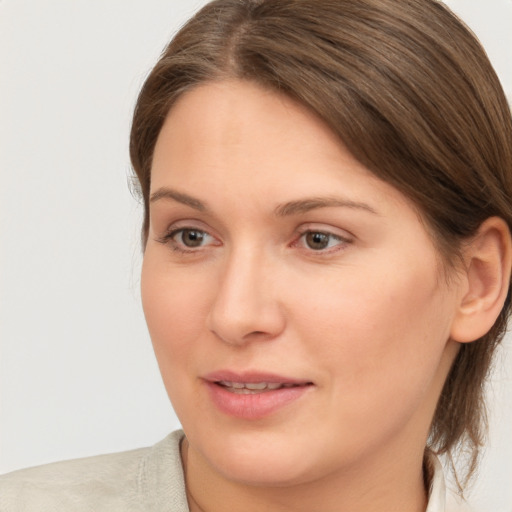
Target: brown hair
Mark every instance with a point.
(412, 95)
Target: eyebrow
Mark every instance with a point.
(312, 203)
(287, 209)
(180, 197)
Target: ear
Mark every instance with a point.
(488, 257)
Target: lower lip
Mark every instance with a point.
(255, 405)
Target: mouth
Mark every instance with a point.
(253, 388)
(254, 395)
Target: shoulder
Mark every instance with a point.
(74, 484)
(114, 482)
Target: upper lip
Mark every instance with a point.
(252, 377)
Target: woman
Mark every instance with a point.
(327, 261)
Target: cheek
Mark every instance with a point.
(379, 341)
(174, 303)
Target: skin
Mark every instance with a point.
(367, 319)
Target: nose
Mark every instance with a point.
(246, 306)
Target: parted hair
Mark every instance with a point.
(411, 94)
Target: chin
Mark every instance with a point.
(262, 458)
(263, 470)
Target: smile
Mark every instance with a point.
(248, 388)
(254, 395)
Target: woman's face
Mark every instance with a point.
(295, 301)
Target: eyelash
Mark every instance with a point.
(341, 241)
(170, 239)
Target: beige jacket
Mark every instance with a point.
(143, 480)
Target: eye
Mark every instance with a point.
(190, 237)
(321, 240)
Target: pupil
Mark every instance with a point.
(317, 240)
(192, 238)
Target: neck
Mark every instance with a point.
(399, 487)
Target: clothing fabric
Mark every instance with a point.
(143, 480)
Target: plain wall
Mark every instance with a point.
(77, 372)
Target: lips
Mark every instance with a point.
(252, 396)
(247, 388)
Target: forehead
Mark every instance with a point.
(249, 133)
(234, 112)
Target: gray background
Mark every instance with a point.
(77, 373)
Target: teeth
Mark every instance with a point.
(248, 387)
(256, 385)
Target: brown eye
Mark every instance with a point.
(317, 241)
(191, 237)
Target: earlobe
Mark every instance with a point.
(488, 259)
